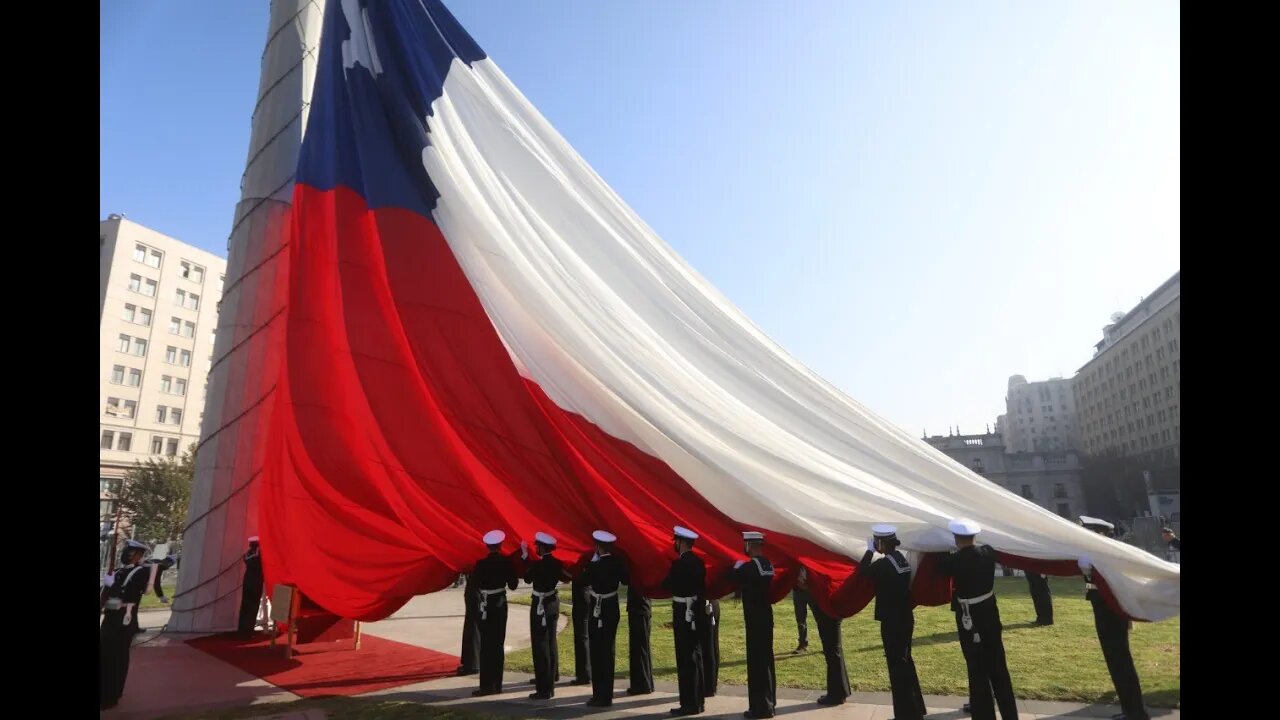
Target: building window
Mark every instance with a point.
(144, 317)
(171, 355)
(1064, 510)
(135, 283)
(149, 288)
(117, 375)
(180, 298)
(139, 253)
(125, 442)
(180, 387)
(135, 377)
(175, 325)
(139, 347)
(162, 414)
(1059, 491)
(130, 311)
(188, 329)
(153, 258)
(166, 382)
(171, 447)
(978, 466)
(108, 440)
(1026, 492)
(192, 272)
(122, 345)
(193, 302)
(185, 357)
(157, 445)
(175, 416)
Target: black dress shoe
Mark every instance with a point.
(581, 681)
(593, 702)
(965, 709)
(539, 696)
(463, 672)
(828, 700)
(634, 691)
(800, 648)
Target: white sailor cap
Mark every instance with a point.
(604, 536)
(494, 537)
(135, 545)
(964, 527)
(253, 539)
(753, 536)
(884, 531)
(685, 533)
(1095, 522)
(545, 539)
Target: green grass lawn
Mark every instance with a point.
(345, 709)
(1061, 662)
(151, 602)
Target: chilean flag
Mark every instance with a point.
(481, 334)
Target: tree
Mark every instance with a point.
(155, 495)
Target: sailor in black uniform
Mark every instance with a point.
(891, 575)
(122, 591)
(251, 590)
(832, 648)
(544, 612)
(754, 577)
(687, 583)
(972, 568)
(639, 619)
(470, 661)
(495, 574)
(603, 575)
(709, 636)
(580, 615)
(1113, 635)
(1041, 597)
(800, 599)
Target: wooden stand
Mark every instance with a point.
(305, 622)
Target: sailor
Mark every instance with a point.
(544, 576)
(495, 574)
(972, 569)
(891, 574)
(251, 590)
(1174, 542)
(580, 615)
(687, 583)
(1113, 634)
(709, 636)
(1041, 597)
(800, 599)
(470, 661)
(832, 647)
(603, 576)
(122, 591)
(639, 619)
(754, 577)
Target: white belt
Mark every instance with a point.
(541, 596)
(1090, 586)
(965, 619)
(484, 601)
(688, 609)
(595, 611)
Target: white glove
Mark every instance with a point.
(164, 599)
(739, 564)
(524, 549)
(108, 580)
(1085, 563)
(595, 557)
(871, 543)
(710, 610)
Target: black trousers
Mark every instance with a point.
(833, 651)
(984, 658)
(1041, 597)
(908, 700)
(493, 636)
(800, 599)
(689, 655)
(115, 639)
(1113, 634)
(470, 662)
(546, 653)
(709, 636)
(762, 684)
(581, 613)
(641, 670)
(603, 637)
(250, 600)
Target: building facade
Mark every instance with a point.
(1040, 416)
(158, 312)
(1129, 394)
(1051, 480)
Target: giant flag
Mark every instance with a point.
(480, 334)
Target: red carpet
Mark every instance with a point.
(331, 668)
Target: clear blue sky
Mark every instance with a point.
(916, 199)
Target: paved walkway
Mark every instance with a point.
(167, 677)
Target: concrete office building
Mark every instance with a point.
(1049, 479)
(158, 311)
(1040, 416)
